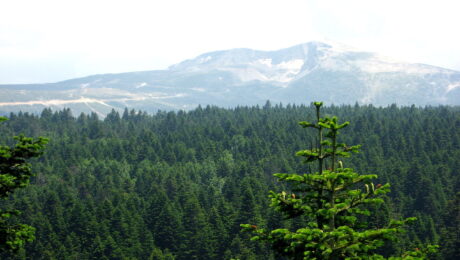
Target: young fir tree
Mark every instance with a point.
(15, 173)
(330, 199)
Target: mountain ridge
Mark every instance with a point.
(299, 74)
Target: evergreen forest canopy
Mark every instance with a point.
(177, 185)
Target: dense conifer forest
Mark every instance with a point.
(177, 185)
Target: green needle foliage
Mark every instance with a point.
(330, 199)
(15, 173)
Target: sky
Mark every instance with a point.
(53, 40)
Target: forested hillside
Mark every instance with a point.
(178, 185)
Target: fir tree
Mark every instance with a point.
(15, 173)
(330, 199)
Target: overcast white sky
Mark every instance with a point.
(52, 40)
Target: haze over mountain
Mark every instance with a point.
(303, 73)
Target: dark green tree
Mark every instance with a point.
(15, 173)
(330, 199)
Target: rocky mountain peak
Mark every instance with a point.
(325, 71)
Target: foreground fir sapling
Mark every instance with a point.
(330, 199)
(15, 173)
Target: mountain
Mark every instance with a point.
(330, 72)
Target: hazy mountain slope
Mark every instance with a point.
(299, 74)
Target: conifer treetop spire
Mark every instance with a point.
(330, 199)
